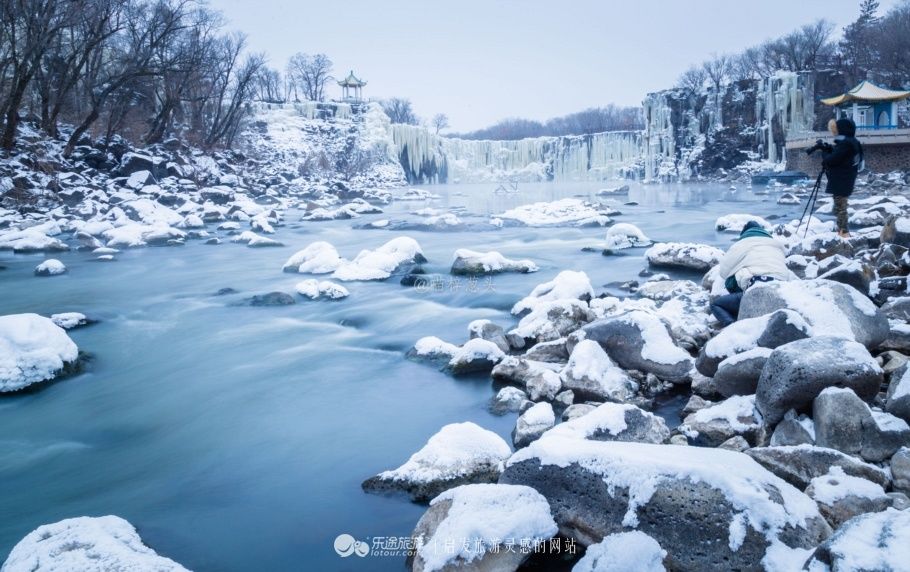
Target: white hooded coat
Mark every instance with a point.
(754, 256)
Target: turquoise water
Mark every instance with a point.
(236, 438)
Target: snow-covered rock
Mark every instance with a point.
(487, 330)
(614, 422)
(433, 348)
(799, 464)
(469, 528)
(624, 235)
(533, 423)
(599, 488)
(50, 267)
(632, 551)
(564, 212)
(638, 340)
(788, 199)
(765, 331)
(550, 321)
(736, 222)
(86, 544)
(567, 285)
(254, 240)
(717, 423)
(314, 289)
(876, 541)
(797, 372)
(697, 257)
(460, 453)
(469, 262)
(898, 397)
(32, 349)
(840, 496)
(317, 258)
(132, 235)
(475, 355)
(831, 308)
(32, 239)
(539, 380)
(70, 320)
(379, 264)
(591, 374)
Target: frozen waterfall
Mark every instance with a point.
(429, 158)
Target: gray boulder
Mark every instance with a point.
(831, 308)
(552, 352)
(799, 464)
(897, 308)
(768, 331)
(900, 470)
(596, 489)
(840, 497)
(272, 299)
(487, 330)
(739, 374)
(840, 417)
(713, 425)
(532, 424)
(898, 397)
(794, 430)
(853, 273)
(876, 541)
(538, 379)
(638, 340)
(614, 422)
(797, 372)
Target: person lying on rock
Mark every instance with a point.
(842, 163)
(755, 257)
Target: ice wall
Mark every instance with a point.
(743, 126)
(429, 158)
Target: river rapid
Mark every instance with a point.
(235, 438)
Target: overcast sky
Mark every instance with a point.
(480, 61)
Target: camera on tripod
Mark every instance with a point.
(820, 146)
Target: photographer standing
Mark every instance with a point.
(842, 162)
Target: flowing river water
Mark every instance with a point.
(235, 438)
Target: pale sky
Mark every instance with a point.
(480, 61)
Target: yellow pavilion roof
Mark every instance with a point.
(867, 91)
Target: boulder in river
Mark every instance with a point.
(460, 453)
(50, 267)
(614, 422)
(799, 464)
(591, 374)
(695, 257)
(600, 488)
(638, 340)
(533, 423)
(470, 528)
(840, 496)
(568, 285)
(830, 308)
(470, 262)
(272, 299)
(87, 544)
(33, 349)
(797, 372)
(712, 425)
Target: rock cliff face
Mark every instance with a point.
(741, 127)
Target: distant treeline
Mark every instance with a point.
(875, 47)
(594, 120)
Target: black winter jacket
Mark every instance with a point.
(842, 165)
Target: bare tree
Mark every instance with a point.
(310, 74)
(693, 78)
(717, 70)
(30, 27)
(400, 110)
(440, 121)
(269, 86)
(893, 45)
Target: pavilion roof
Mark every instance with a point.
(352, 81)
(867, 91)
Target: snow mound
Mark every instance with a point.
(50, 267)
(483, 517)
(254, 240)
(314, 289)
(32, 349)
(380, 263)
(632, 551)
(86, 544)
(574, 212)
(625, 235)
(319, 257)
(567, 285)
(473, 262)
(69, 320)
(456, 450)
